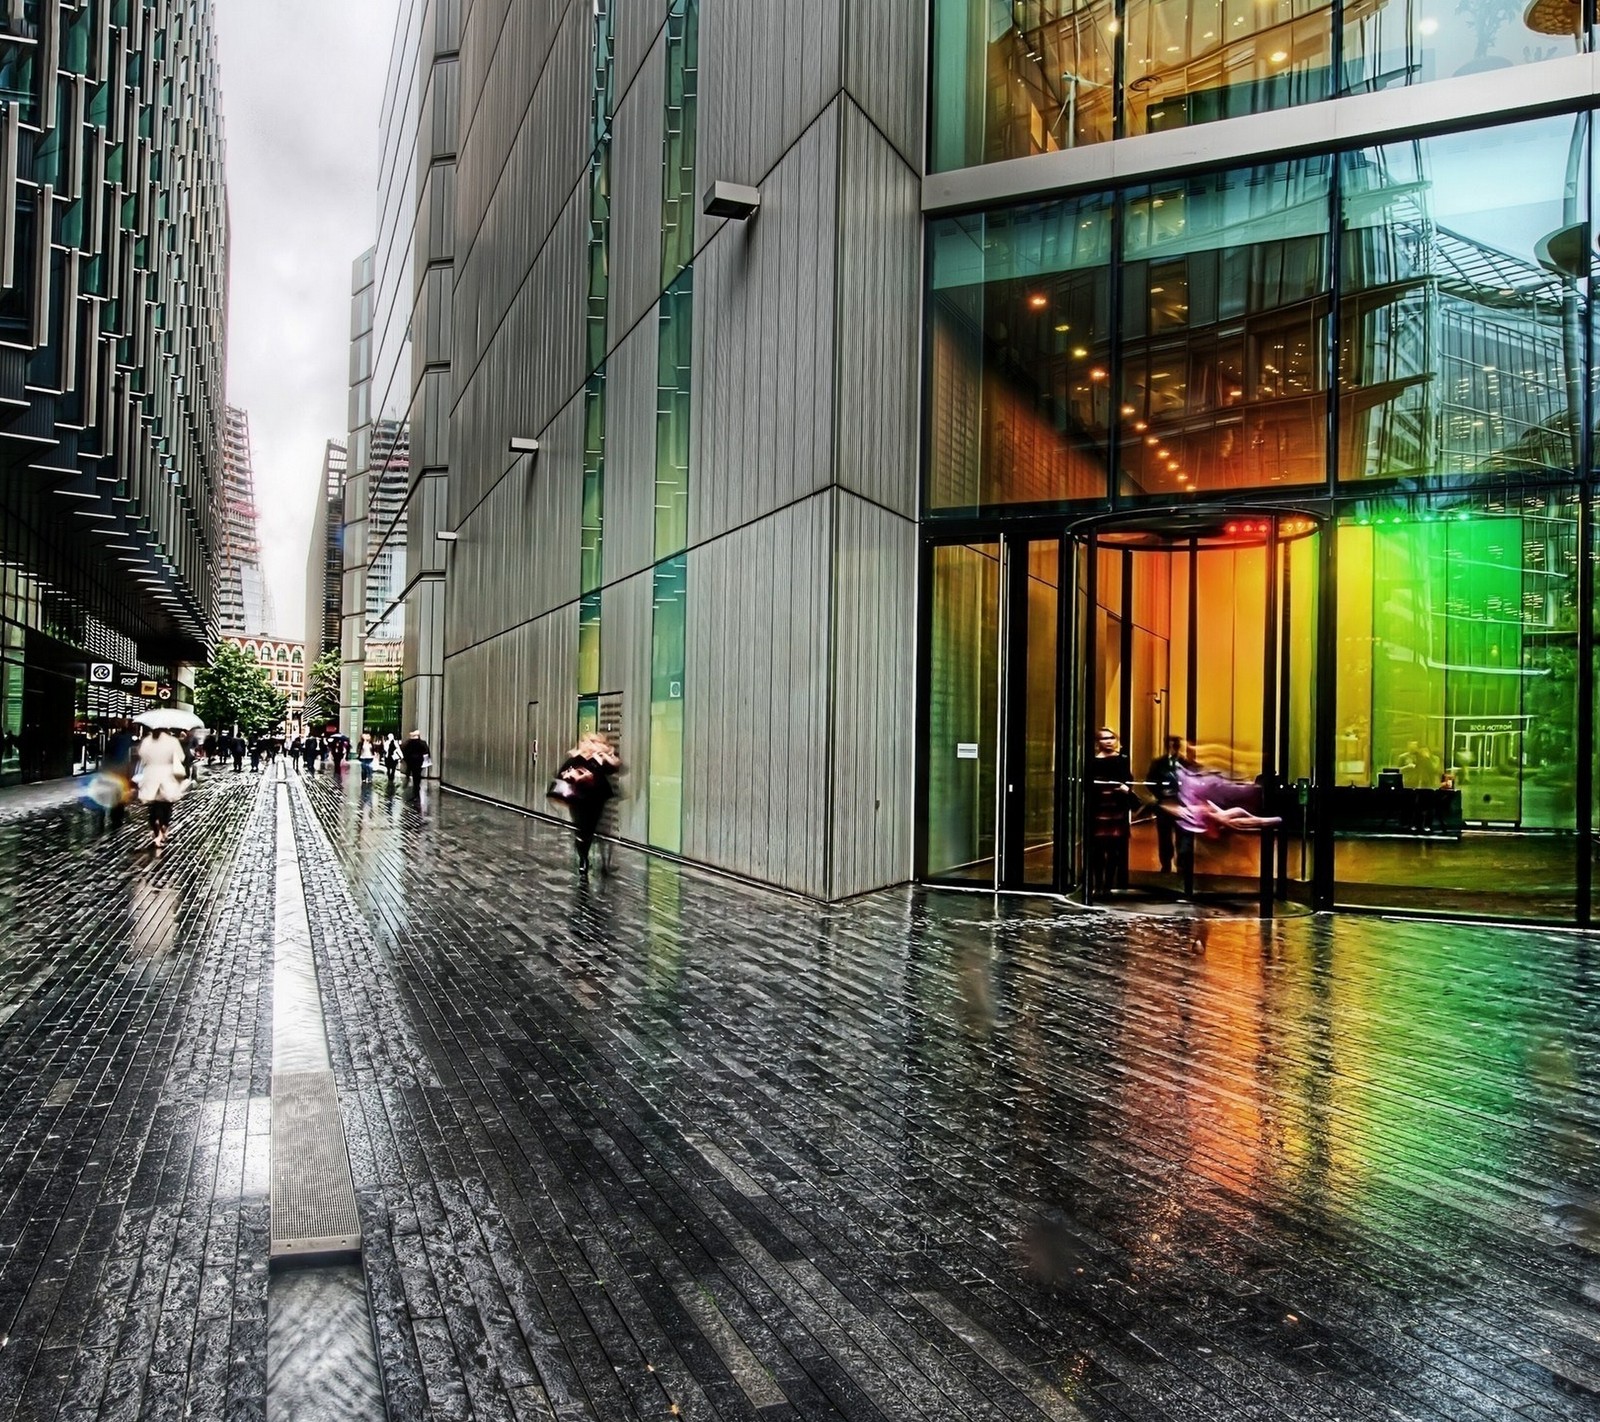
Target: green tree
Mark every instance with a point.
(322, 688)
(236, 690)
(383, 703)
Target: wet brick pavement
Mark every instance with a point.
(662, 1145)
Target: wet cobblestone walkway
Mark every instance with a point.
(660, 1145)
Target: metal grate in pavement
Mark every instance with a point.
(313, 1199)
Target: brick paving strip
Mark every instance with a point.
(134, 1065)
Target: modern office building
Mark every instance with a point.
(243, 602)
(113, 265)
(325, 557)
(1219, 375)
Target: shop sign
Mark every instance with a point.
(102, 673)
(128, 681)
(147, 688)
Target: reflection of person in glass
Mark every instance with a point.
(1110, 800)
(1419, 768)
(1165, 777)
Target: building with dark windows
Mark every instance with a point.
(1176, 379)
(113, 265)
(243, 602)
(325, 558)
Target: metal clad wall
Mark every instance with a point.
(639, 24)
(755, 709)
(883, 70)
(636, 198)
(874, 662)
(517, 556)
(625, 668)
(879, 318)
(631, 375)
(766, 72)
(763, 335)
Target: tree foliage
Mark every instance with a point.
(382, 712)
(322, 689)
(236, 690)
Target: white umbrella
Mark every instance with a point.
(169, 718)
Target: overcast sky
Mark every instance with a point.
(302, 82)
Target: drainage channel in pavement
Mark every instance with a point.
(322, 1364)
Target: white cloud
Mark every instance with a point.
(302, 87)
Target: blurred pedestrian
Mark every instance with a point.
(583, 785)
(391, 754)
(309, 751)
(112, 788)
(163, 779)
(236, 750)
(366, 753)
(414, 752)
(255, 752)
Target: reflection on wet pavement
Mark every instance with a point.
(930, 1155)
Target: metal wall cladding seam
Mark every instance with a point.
(630, 506)
(766, 72)
(625, 668)
(519, 215)
(517, 556)
(433, 239)
(880, 241)
(874, 678)
(755, 692)
(883, 69)
(533, 365)
(529, 142)
(636, 142)
(764, 347)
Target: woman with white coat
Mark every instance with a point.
(162, 779)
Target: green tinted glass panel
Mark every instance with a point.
(667, 629)
(589, 644)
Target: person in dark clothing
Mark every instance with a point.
(391, 755)
(414, 752)
(1166, 782)
(255, 753)
(1111, 799)
(236, 750)
(309, 751)
(116, 773)
(339, 746)
(583, 784)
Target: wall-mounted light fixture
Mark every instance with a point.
(523, 444)
(447, 535)
(733, 200)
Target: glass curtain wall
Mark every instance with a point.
(1014, 78)
(1451, 304)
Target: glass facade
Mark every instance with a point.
(1280, 470)
(1015, 78)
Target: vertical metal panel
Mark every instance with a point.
(625, 668)
(763, 385)
(636, 196)
(755, 698)
(880, 230)
(874, 607)
(639, 26)
(631, 452)
(884, 49)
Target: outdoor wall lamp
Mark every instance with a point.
(522, 444)
(445, 535)
(733, 200)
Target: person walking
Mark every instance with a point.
(236, 750)
(255, 753)
(163, 779)
(583, 784)
(414, 752)
(391, 754)
(339, 748)
(309, 751)
(1111, 799)
(1165, 778)
(366, 753)
(116, 774)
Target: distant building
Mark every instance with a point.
(325, 560)
(243, 603)
(286, 662)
